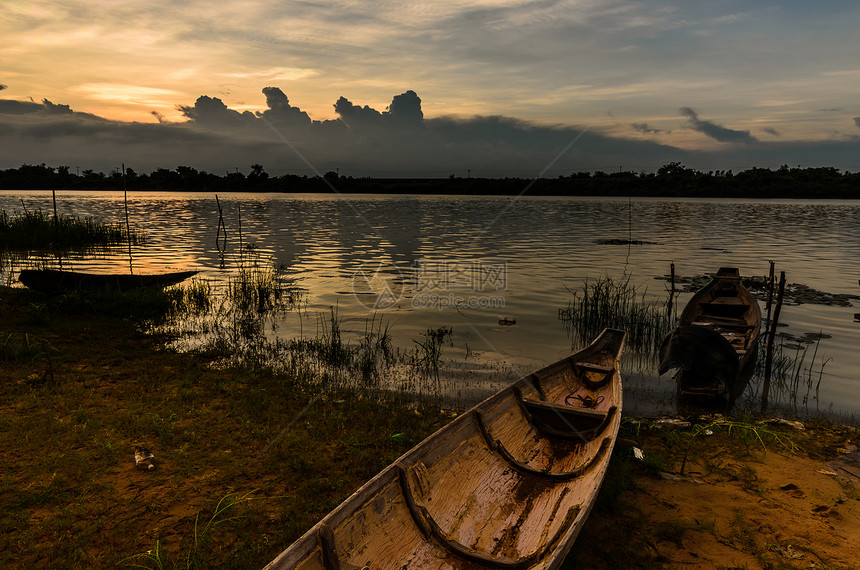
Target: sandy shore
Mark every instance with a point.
(734, 506)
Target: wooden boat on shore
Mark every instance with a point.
(508, 484)
(715, 345)
(57, 281)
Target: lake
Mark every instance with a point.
(476, 264)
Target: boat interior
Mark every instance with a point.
(500, 487)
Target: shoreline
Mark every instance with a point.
(94, 385)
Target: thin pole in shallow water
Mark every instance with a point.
(222, 249)
(127, 225)
(769, 292)
(671, 290)
(770, 337)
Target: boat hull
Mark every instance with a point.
(57, 281)
(715, 345)
(508, 484)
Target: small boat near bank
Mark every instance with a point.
(59, 281)
(508, 484)
(715, 344)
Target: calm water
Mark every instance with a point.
(408, 259)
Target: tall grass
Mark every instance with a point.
(797, 371)
(429, 351)
(616, 303)
(39, 231)
(260, 290)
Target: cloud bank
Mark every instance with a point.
(715, 131)
(398, 141)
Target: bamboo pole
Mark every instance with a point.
(127, 225)
(770, 339)
(769, 292)
(221, 249)
(671, 290)
(54, 196)
(241, 259)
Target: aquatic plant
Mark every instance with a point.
(260, 290)
(374, 351)
(796, 375)
(429, 351)
(616, 303)
(38, 231)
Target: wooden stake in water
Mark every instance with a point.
(221, 249)
(770, 339)
(54, 196)
(240, 234)
(671, 290)
(769, 291)
(127, 225)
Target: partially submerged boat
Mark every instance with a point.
(58, 281)
(715, 344)
(508, 484)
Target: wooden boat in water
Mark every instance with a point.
(508, 484)
(715, 345)
(57, 281)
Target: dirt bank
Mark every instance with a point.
(79, 390)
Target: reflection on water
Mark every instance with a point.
(544, 247)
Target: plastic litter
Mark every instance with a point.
(143, 458)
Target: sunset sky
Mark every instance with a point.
(744, 83)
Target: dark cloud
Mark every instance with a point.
(12, 107)
(363, 141)
(281, 113)
(857, 121)
(212, 113)
(713, 130)
(771, 131)
(45, 108)
(357, 117)
(405, 110)
(645, 128)
(56, 109)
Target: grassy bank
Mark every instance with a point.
(248, 459)
(80, 390)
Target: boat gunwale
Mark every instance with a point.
(306, 544)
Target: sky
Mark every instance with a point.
(401, 88)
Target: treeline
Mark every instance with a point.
(670, 180)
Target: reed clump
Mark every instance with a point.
(428, 352)
(39, 231)
(260, 290)
(797, 371)
(616, 303)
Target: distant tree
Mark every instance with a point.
(674, 169)
(258, 173)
